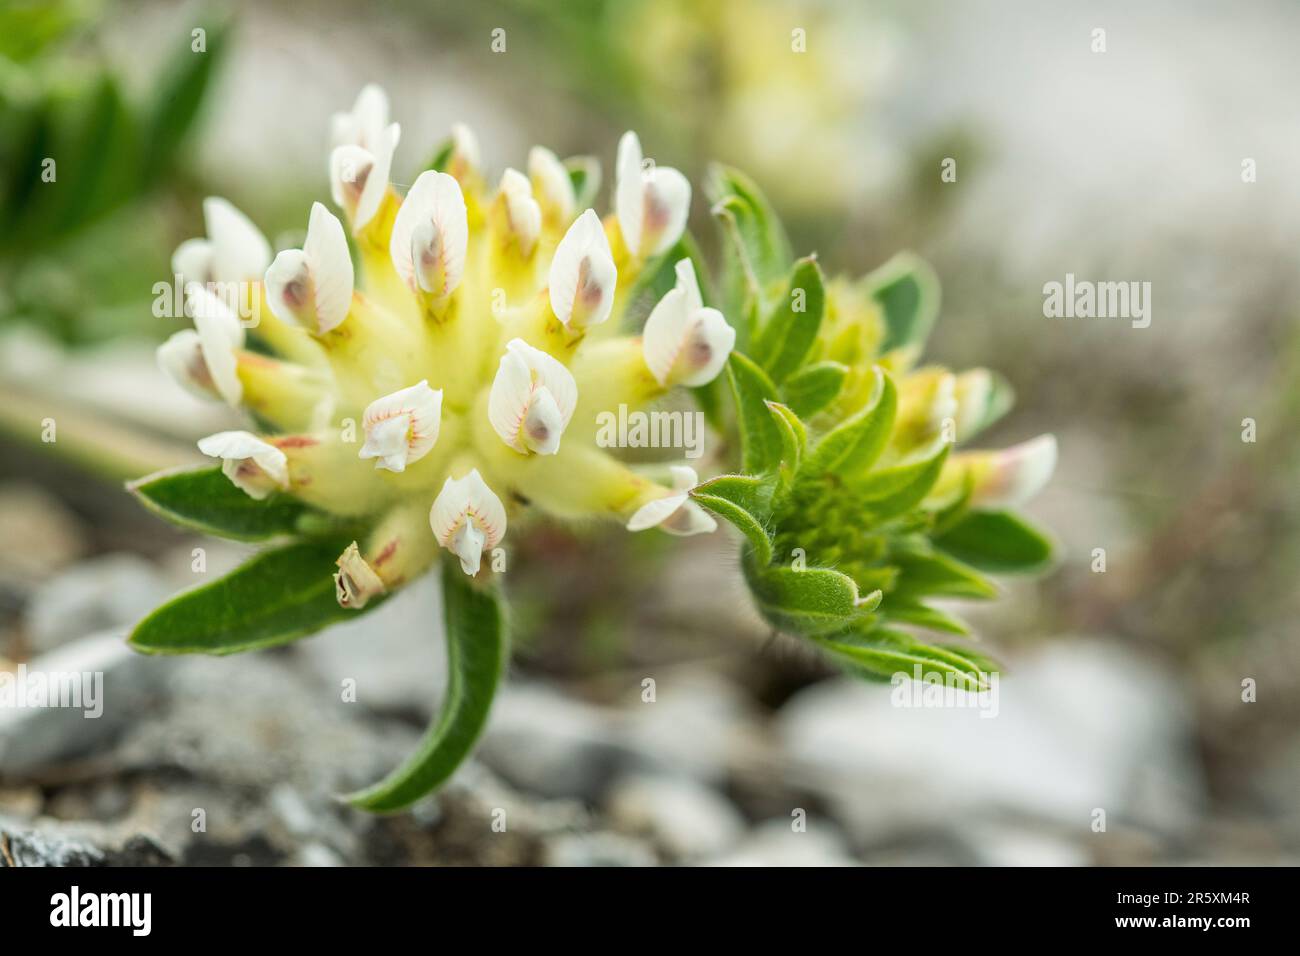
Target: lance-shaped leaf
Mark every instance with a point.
(922, 571)
(204, 499)
(752, 226)
(477, 647)
(922, 615)
(997, 542)
(745, 501)
(810, 601)
(883, 653)
(852, 447)
(760, 439)
(277, 596)
(791, 327)
(889, 492)
(907, 291)
(813, 387)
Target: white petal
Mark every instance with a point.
(193, 261)
(551, 185)
(403, 427)
(532, 400)
(430, 235)
(290, 289)
(629, 190)
(372, 194)
(356, 581)
(683, 345)
(1019, 473)
(254, 465)
(181, 357)
(522, 210)
(240, 253)
(331, 268)
(464, 149)
(684, 477)
(675, 514)
(350, 167)
(466, 517)
(220, 334)
(667, 204)
(689, 284)
(583, 274)
(365, 124)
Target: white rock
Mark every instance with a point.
(104, 592)
(686, 818)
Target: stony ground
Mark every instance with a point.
(236, 761)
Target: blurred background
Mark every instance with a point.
(1123, 688)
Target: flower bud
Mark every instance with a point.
(256, 467)
(402, 428)
(583, 275)
(523, 215)
(652, 205)
(1010, 477)
(552, 187)
(313, 285)
(684, 342)
(532, 399)
(430, 235)
(359, 177)
(205, 360)
(467, 517)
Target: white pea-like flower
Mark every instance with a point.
(255, 466)
(675, 513)
(402, 428)
(583, 275)
(1014, 475)
(430, 235)
(551, 185)
(359, 176)
(355, 582)
(464, 158)
(364, 125)
(532, 399)
(651, 204)
(467, 517)
(203, 360)
(523, 214)
(313, 285)
(233, 251)
(685, 342)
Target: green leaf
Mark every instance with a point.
(751, 492)
(922, 615)
(790, 329)
(181, 91)
(753, 227)
(813, 387)
(921, 573)
(794, 436)
(744, 520)
(275, 597)
(441, 156)
(852, 447)
(998, 542)
(205, 500)
(889, 492)
(760, 439)
(884, 653)
(477, 650)
(907, 291)
(810, 601)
